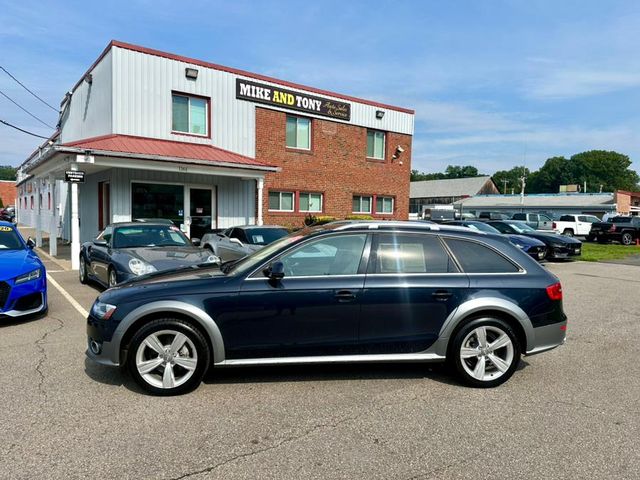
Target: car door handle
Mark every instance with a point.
(442, 294)
(344, 296)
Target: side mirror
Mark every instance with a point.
(30, 243)
(100, 243)
(236, 241)
(275, 271)
(196, 242)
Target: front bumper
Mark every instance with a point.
(565, 252)
(538, 253)
(29, 298)
(100, 348)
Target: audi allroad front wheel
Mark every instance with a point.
(168, 357)
(485, 352)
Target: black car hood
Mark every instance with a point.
(553, 238)
(169, 258)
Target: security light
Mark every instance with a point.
(191, 73)
(379, 114)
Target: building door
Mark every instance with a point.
(104, 205)
(200, 209)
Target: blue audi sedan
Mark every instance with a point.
(344, 292)
(23, 279)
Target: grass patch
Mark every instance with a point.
(596, 252)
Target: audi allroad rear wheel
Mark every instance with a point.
(168, 357)
(485, 352)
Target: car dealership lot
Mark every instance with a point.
(571, 413)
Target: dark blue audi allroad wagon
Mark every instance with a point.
(342, 292)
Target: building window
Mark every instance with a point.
(310, 202)
(281, 201)
(375, 144)
(384, 205)
(189, 115)
(150, 200)
(298, 132)
(361, 204)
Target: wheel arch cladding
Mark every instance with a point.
(490, 307)
(168, 309)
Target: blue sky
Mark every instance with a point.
(494, 83)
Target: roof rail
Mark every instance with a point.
(376, 225)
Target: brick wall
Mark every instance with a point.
(336, 166)
(8, 192)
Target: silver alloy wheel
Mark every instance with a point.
(627, 239)
(166, 359)
(486, 353)
(83, 268)
(113, 280)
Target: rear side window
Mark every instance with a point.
(406, 253)
(474, 257)
(569, 218)
(519, 216)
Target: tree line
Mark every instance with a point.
(602, 170)
(7, 172)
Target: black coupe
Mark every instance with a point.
(558, 246)
(124, 251)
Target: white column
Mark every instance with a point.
(38, 212)
(260, 185)
(75, 226)
(53, 227)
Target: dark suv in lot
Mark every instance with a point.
(343, 292)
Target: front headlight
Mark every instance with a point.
(102, 310)
(213, 259)
(138, 267)
(32, 275)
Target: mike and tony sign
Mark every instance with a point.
(281, 97)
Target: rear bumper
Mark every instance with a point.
(548, 337)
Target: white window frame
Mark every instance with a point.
(298, 117)
(280, 192)
(384, 144)
(370, 197)
(311, 193)
(206, 115)
(383, 197)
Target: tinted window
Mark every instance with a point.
(569, 218)
(9, 239)
(582, 218)
(264, 236)
(337, 255)
(621, 220)
(404, 253)
(476, 258)
(519, 216)
(149, 236)
(502, 227)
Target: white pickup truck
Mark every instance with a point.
(575, 225)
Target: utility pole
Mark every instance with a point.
(504, 190)
(523, 181)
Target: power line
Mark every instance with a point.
(23, 109)
(22, 130)
(25, 87)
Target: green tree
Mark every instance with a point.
(510, 179)
(452, 171)
(7, 172)
(603, 168)
(556, 171)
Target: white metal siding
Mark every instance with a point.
(235, 197)
(90, 111)
(142, 86)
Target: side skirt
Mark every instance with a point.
(382, 358)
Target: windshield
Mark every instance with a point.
(149, 236)
(621, 220)
(9, 239)
(483, 227)
(521, 227)
(264, 236)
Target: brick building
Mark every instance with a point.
(8, 192)
(157, 135)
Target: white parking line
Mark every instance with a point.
(66, 295)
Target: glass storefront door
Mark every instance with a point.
(200, 219)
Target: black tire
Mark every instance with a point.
(509, 354)
(568, 232)
(590, 238)
(601, 240)
(112, 278)
(82, 271)
(197, 342)
(626, 238)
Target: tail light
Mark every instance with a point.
(553, 225)
(613, 228)
(555, 291)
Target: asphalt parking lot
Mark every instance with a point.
(570, 413)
